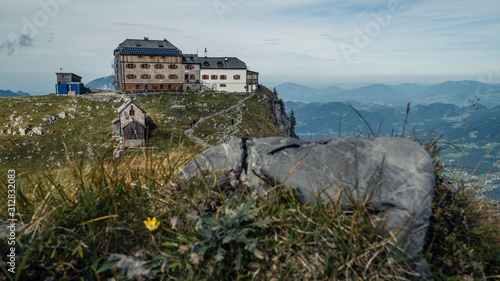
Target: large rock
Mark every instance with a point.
(396, 175)
(23, 131)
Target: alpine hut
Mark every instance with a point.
(131, 124)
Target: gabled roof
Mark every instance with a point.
(130, 121)
(126, 104)
(148, 47)
(149, 51)
(190, 59)
(222, 63)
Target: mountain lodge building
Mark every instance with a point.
(158, 65)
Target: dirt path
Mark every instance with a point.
(189, 133)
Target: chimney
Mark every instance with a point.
(146, 38)
(206, 52)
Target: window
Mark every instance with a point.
(192, 76)
(237, 77)
(131, 76)
(160, 76)
(214, 77)
(169, 87)
(190, 66)
(173, 66)
(204, 77)
(132, 112)
(137, 86)
(145, 76)
(220, 64)
(205, 63)
(162, 86)
(159, 66)
(173, 76)
(139, 57)
(130, 65)
(152, 57)
(144, 65)
(223, 77)
(223, 85)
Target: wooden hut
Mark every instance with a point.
(131, 124)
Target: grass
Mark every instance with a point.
(73, 220)
(91, 126)
(75, 214)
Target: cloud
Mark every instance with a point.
(12, 45)
(51, 37)
(148, 26)
(25, 40)
(9, 46)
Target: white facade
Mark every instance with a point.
(225, 80)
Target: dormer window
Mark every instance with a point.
(220, 64)
(206, 63)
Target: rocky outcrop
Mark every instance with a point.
(49, 120)
(395, 175)
(279, 118)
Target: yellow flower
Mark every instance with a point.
(152, 224)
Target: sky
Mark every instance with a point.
(312, 42)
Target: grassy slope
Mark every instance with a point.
(49, 148)
(98, 207)
(92, 126)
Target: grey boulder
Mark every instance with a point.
(394, 174)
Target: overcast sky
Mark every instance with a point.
(314, 41)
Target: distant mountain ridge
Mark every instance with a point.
(473, 130)
(460, 93)
(103, 83)
(9, 93)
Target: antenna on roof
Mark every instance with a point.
(196, 51)
(60, 70)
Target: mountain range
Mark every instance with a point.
(9, 93)
(461, 93)
(103, 83)
(473, 130)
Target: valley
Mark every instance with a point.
(469, 129)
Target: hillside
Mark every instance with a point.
(91, 209)
(36, 132)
